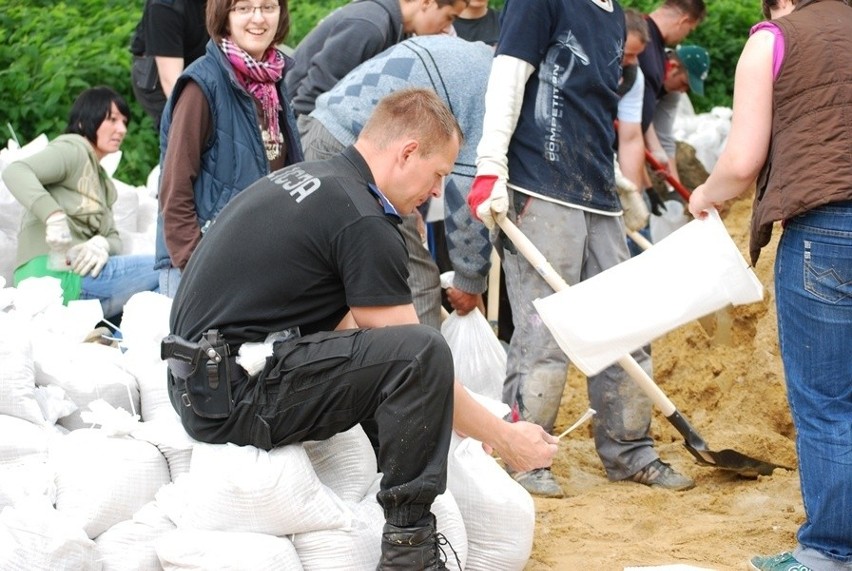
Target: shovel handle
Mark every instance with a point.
(676, 184)
(639, 240)
(534, 256)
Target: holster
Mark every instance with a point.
(206, 368)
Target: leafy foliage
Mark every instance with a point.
(51, 51)
(723, 33)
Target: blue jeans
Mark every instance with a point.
(813, 284)
(169, 281)
(120, 278)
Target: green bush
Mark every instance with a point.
(50, 52)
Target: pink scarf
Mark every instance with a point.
(259, 79)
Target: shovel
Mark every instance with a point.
(724, 459)
(659, 168)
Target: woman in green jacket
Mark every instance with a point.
(68, 230)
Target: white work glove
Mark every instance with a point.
(488, 199)
(635, 211)
(57, 234)
(89, 257)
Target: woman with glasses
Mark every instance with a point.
(227, 123)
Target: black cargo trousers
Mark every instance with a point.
(396, 380)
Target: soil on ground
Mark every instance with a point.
(730, 386)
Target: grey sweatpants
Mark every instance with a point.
(578, 245)
(423, 276)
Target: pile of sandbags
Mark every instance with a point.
(96, 471)
(705, 132)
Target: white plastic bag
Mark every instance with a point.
(479, 358)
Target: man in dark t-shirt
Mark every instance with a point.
(171, 35)
(478, 23)
(668, 25)
(311, 256)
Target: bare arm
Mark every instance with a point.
(631, 151)
(748, 143)
(169, 69)
(522, 445)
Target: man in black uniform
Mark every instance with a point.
(312, 254)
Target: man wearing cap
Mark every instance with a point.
(686, 70)
(668, 25)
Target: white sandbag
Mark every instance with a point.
(144, 324)
(499, 515)
(101, 481)
(243, 488)
(170, 438)
(125, 207)
(478, 356)
(110, 162)
(22, 482)
(153, 387)
(130, 545)
(17, 376)
(146, 216)
(35, 295)
(8, 253)
(145, 321)
(346, 463)
(152, 182)
(197, 550)
(356, 548)
(54, 403)
(35, 537)
(599, 320)
(669, 220)
(450, 524)
(87, 372)
(21, 441)
(70, 324)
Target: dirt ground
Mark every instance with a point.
(731, 389)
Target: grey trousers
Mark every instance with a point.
(578, 245)
(423, 276)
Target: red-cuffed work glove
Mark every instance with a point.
(488, 199)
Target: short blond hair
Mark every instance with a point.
(415, 113)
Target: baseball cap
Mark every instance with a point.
(696, 60)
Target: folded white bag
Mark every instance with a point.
(693, 272)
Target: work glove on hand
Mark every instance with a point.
(57, 233)
(635, 212)
(488, 199)
(89, 257)
(658, 206)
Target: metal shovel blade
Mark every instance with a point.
(726, 459)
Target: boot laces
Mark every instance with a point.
(441, 541)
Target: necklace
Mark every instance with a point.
(273, 146)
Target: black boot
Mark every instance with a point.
(410, 548)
